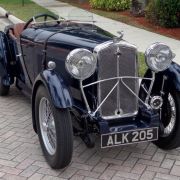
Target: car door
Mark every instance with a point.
(28, 52)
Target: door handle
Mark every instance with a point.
(19, 55)
(27, 44)
(30, 45)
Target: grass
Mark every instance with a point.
(23, 12)
(142, 64)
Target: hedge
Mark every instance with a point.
(164, 12)
(111, 5)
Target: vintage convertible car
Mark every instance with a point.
(83, 81)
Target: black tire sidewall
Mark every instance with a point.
(173, 139)
(4, 90)
(64, 133)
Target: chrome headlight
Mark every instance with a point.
(159, 57)
(81, 63)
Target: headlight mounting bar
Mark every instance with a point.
(119, 79)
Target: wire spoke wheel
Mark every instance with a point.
(169, 116)
(54, 128)
(170, 137)
(4, 90)
(47, 126)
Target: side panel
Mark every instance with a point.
(28, 49)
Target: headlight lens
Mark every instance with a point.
(81, 63)
(158, 57)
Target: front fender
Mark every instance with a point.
(57, 89)
(172, 75)
(4, 57)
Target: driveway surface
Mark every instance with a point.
(21, 157)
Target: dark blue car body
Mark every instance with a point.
(23, 60)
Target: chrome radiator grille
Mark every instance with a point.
(117, 60)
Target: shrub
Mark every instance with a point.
(164, 12)
(111, 5)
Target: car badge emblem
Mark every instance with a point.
(118, 52)
(51, 65)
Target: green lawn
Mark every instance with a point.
(142, 64)
(23, 12)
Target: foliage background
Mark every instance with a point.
(111, 4)
(164, 12)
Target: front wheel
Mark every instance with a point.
(4, 90)
(54, 129)
(170, 137)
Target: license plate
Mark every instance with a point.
(129, 137)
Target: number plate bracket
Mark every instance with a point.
(129, 137)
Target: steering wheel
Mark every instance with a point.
(40, 16)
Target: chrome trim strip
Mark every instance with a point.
(108, 43)
(122, 77)
(120, 116)
(84, 97)
(146, 104)
(119, 79)
(150, 88)
(118, 88)
(105, 98)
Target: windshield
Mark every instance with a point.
(74, 18)
(75, 15)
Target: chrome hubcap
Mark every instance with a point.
(169, 128)
(47, 126)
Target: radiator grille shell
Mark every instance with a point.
(116, 60)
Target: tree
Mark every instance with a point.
(138, 6)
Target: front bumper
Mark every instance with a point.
(145, 119)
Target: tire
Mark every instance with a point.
(4, 90)
(170, 138)
(61, 154)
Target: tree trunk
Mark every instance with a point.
(138, 7)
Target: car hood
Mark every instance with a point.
(71, 37)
